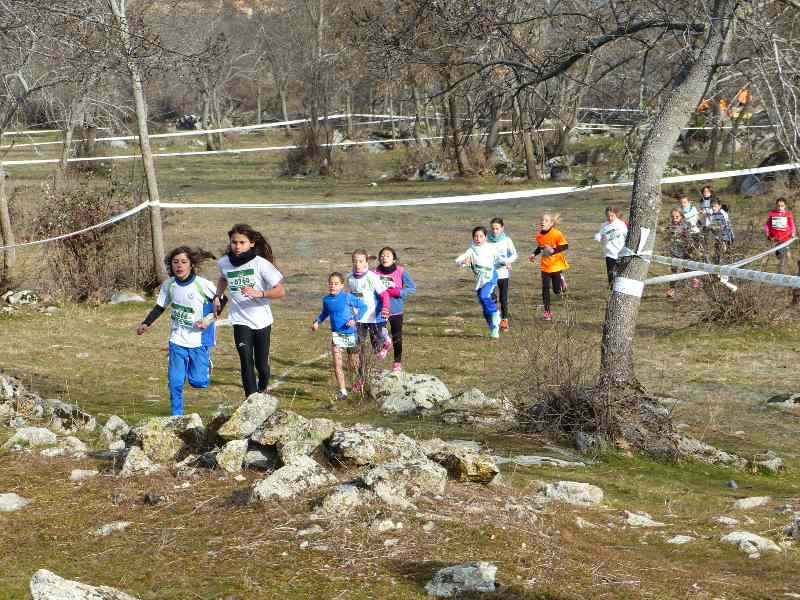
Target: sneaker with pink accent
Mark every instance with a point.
(547, 316)
(563, 283)
(396, 367)
(384, 351)
(695, 283)
(358, 386)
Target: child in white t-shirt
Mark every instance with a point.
(188, 293)
(612, 234)
(248, 271)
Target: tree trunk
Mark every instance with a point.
(616, 362)
(258, 105)
(713, 147)
(494, 127)
(348, 122)
(118, 8)
(217, 119)
(464, 168)
(417, 112)
(10, 255)
(207, 123)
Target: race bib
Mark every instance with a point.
(780, 222)
(182, 316)
(387, 281)
(241, 279)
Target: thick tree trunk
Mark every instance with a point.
(527, 143)
(219, 136)
(494, 127)
(258, 104)
(207, 123)
(417, 112)
(10, 255)
(284, 108)
(462, 160)
(713, 147)
(616, 362)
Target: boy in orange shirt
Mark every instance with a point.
(551, 244)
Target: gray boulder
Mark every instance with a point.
(11, 502)
(231, 457)
(457, 580)
(571, 492)
(250, 415)
(109, 528)
(302, 476)
(137, 463)
(462, 463)
(473, 407)
(115, 429)
(361, 445)
(163, 438)
(125, 297)
(750, 543)
(31, 437)
(407, 394)
(46, 585)
(292, 434)
(82, 474)
(397, 482)
(640, 519)
(343, 499)
(793, 529)
(68, 418)
(20, 297)
(787, 402)
(261, 458)
(751, 502)
(708, 454)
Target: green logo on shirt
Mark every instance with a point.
(183, 316)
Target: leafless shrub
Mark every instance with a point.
(93, 265)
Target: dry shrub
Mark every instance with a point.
(309, 158)
(93, 265)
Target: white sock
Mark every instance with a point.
(343, 391)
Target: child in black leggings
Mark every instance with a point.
(247, 270)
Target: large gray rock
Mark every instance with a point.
(125, 297)
(115, 429)
(751, 502)
(163, 438)
(572, 492)
(397, 482)
(462, 463)
(473, 407)
(231, 457)
(302, 476)
(793, 529)
(750, 543)
(68, 418)
(137, 463)
(46, 585)
(343, 499)
(31, 437)
(11, 502)
(292, 434)
(455, 581)
(407, 394)
(787, 402)
(250, 415)
(708, 454)
(641, 519)
(83, 474)
(361, 445)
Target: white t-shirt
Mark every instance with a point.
(506, 254)
(613, 235)
(261, 275)
(187, 308)
(483, 264)
(367, 287)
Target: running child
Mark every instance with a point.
(506, 254)
(344, 309)
(551, 244)
(613, 234)
(188, 294)
(366, 285)
(481, 257)
(779, 228)
(720, 225)
(399, 285)
(704, 206)
(248, 271)
(678, 240)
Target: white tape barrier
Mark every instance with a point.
(791, 281)
(443, 200)
(739, 263)
(106, 223)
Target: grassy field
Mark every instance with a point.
(199, 544)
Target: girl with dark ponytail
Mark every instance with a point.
(248, 271)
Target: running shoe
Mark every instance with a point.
(503, 324)
(670, 293)
(563, 283)
(547, 316)
(358, 386)
(695, 283)
(396, 367)
(341, 396)
(384, 351)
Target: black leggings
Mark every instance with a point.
(501, 293)
(611, 269)
(547, 280)
(253, 348)
(396, 327)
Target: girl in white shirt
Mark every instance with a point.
(506, 254)
(481, 257)
(612, 234)
(248, 271)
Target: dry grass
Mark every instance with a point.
(200, 545)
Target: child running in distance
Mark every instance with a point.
(779, 228)
(344, 309)
(551, 244)
(691, 217)
(704, 207)
(248, 271)
(678, 240)
(481, 257)
(400, 286)
(506, 254)
(188, 293)
(612, 234)
(366, 285)
(720, 225)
